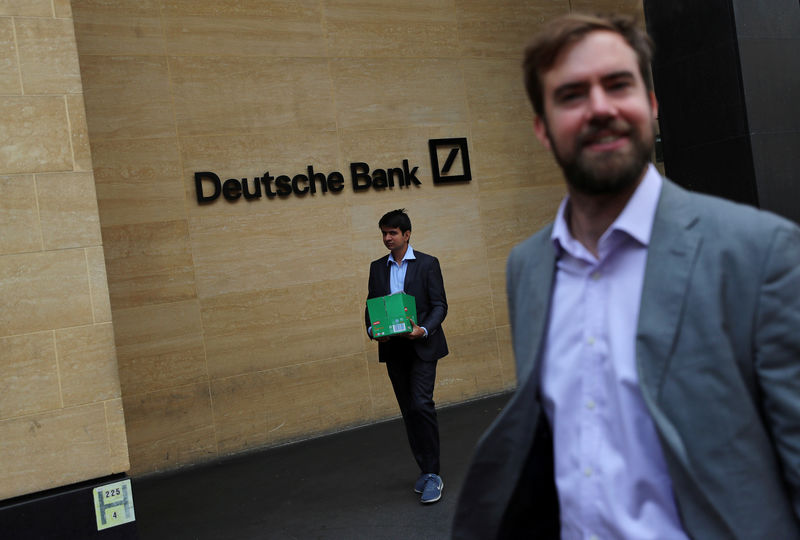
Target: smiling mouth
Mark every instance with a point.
(604, 142)
(606, 139)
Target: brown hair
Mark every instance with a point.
(542, 51)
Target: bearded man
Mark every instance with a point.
(656, 332)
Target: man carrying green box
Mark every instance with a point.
(411, 356)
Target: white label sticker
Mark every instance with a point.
(113, 504)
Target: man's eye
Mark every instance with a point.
(570, 97)
(619, 85)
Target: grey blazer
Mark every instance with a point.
(718, 358)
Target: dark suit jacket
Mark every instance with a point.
(424, 282)
(718, 358)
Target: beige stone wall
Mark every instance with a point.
(240, 325)
(61, 417)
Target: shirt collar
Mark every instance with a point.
(407, 257)
(636, 219)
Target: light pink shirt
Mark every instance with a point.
(610, 471)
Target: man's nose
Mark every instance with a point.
(600, 103)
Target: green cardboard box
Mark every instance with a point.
(389, 314)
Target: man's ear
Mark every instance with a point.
(653, 104)
(540, 128)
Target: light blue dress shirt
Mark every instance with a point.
(397, 272)
(610, 471)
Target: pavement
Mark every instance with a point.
(355, 484)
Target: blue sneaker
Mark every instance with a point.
(419, 485)
(432, 491)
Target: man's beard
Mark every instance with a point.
(610, 172)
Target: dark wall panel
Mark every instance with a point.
(727, 77)
(769, 41)
(717, 167)
(700, 98)
(773, 18)
(683, 28)
(702, 115)
(771, 80)
(776, 157)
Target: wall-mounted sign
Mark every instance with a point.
(450, 170)
(209, 187)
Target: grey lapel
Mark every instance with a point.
(671, 258)
(533, 295)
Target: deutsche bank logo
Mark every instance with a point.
(449, 160)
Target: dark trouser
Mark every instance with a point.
(413, 380)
